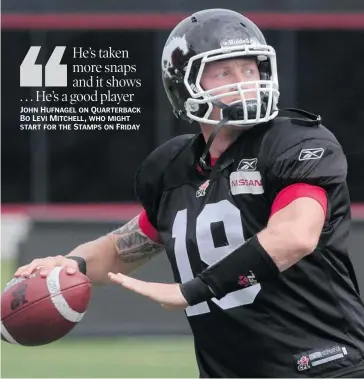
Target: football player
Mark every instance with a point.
(253, 213)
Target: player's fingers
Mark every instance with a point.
(70, 270)
(45, 265)
(70, 265)
(127, 282)
(135, 285)
(167, 294)
(20, 270)
(168, 306)
(46, 269)
(27, 269)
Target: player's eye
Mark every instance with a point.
(250, 72)
(222, 74)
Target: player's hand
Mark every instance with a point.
(167, 295)
(45, 265)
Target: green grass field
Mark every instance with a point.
(98, 358)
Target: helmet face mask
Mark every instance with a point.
(265, 91)
(214, 35)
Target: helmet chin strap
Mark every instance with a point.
(230, 113)
(218, 127)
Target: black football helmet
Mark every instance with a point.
(217, 34)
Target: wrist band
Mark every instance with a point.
(249, 264)
(195, 291)
(80, 261)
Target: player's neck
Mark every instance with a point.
(224, 138)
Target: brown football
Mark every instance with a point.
(36, 311)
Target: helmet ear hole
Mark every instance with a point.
(265, 71)
(198, 110)
(202, 110)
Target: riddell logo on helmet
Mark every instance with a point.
(239, 41)
(194, 88)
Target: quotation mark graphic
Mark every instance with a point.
(55, 73)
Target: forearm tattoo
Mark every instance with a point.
(133, 245)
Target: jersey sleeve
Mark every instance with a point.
(148, 186)
(147, 228)
(311, 160)
(297, 190)
(316, 162)
(149, 179)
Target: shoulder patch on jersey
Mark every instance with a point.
(306, 154)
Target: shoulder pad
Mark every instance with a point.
(283, 134)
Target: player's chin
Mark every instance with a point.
(229, 127)
(233, 128)
(216, 116)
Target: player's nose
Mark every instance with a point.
(246, 91)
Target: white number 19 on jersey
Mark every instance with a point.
(229, 215)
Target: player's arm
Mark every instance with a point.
(123, 250)
(294, 231)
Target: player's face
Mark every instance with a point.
(230, 71)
